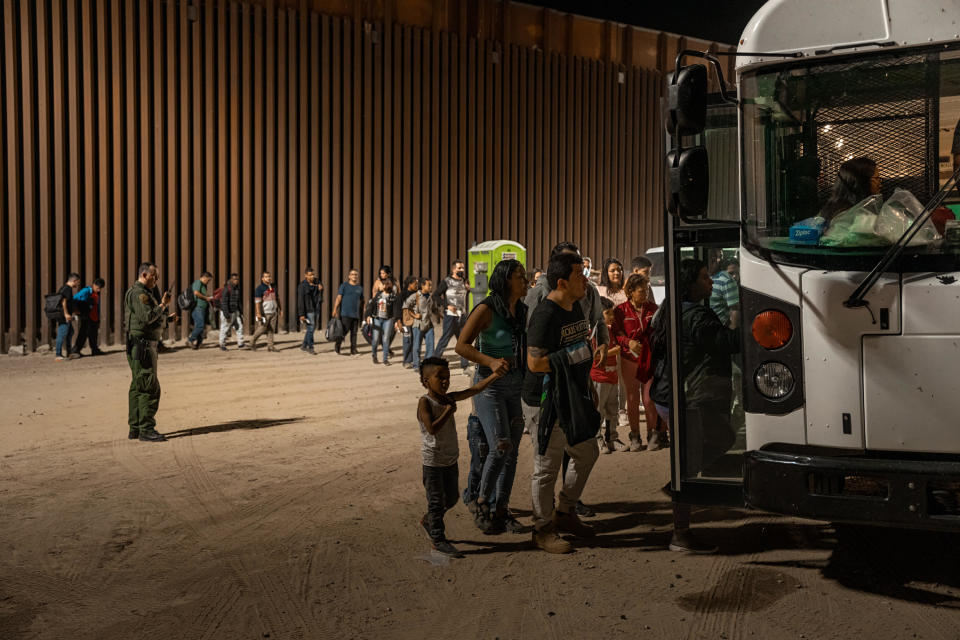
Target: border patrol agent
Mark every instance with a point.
(144, 318)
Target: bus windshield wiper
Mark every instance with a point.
(856, 298)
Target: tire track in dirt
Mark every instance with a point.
(712, 615)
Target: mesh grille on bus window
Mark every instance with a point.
(885, 109)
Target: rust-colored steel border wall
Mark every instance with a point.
(243, 137)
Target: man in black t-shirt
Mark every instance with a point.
(556, 327)
(64, 321)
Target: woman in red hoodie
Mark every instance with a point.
(631, 330)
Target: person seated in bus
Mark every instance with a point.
(856, 179)
(706, 348)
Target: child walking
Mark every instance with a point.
(439, 446)
(606, 380)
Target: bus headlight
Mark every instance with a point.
(774, 380)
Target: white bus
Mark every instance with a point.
(845, 388)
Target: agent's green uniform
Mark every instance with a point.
(143, 317)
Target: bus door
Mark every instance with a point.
(706, 417)
(703, 239)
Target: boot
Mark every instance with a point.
(548, 540)
(570, 523)
(151, 435)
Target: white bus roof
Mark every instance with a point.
(814, 27)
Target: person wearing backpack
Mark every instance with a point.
(89, 299)
(64, 317)
(230, 314)
(200, 310)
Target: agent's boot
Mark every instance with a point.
(151, 435)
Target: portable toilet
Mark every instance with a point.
(483, 257)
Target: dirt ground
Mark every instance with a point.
(286, 506)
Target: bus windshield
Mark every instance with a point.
(840, 157)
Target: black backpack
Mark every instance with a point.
(187, 301)
(53, 305)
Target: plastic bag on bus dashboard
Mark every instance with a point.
(896, 216)
(855, 227)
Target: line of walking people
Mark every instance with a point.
(546, 364)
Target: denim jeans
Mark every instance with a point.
(382, 335)
(308, 331)
(477, 441)
(501, 415)
(441, 487)
(199, 317)
(451, 328)
(64, 336)
(419, 335)
(407, 333)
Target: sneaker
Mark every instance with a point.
(387, 363)
(635, 444)
(684, 540)
(311, 351)
(447, 549)
(407, 365)
(58, 359)
(570, 523)
(583, 510)
(376, 360)
(151, 435)
(223, 347)
(133, 434)
(482, 518)
(619, 446)
(548, 540)
(602, 445)
(73, 356)
(653, 441)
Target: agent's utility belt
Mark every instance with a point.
(141, 348)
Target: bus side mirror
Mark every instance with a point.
(687, 100)
(689, 182)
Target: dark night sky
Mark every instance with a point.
(719, 20)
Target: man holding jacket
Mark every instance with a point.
(309, 297)
(558, 344)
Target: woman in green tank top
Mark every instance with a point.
(498, 327)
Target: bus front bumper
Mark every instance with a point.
(881, 491)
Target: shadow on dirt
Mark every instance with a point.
(231, 426)
(914, 566)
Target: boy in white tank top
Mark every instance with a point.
(439, 448)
